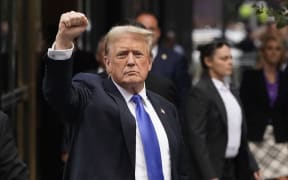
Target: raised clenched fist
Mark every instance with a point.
(71, 25)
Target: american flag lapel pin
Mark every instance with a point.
(164, 56)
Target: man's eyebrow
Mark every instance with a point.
(122, 52)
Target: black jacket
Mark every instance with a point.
(11, 168)
(205, 127)
(255, 100)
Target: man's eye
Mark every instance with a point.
(138, 55)
(226, 58)
(121, 56)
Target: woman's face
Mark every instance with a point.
(272, 52)
(220, 63)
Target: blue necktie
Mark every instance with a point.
(149, 141)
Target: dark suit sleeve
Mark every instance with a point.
(194, 125)
(58, 89)
(252, 161)
(247, 96)
(246, 163)
(182, 78)
(11, 168)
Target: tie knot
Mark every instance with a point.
(136, 98)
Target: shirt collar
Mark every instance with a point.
(127, 95)
(154, 51)
(220, 85)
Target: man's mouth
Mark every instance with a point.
(131, 73)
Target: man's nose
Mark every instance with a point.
(131, 59)
(231, 62)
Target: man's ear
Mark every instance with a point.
(150, 62)
(207, 61)
(107, 64)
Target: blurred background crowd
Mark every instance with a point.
(28, 28)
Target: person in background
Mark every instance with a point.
(100, 55)
(166, 62)
(11, 167)
(264, 93)
(170, 41)
(214, 126)
(122, 130)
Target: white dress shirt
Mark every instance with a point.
(140, 165)
(154, 51)
(234, 118)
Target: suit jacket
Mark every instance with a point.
(160, 85)
(205, 124)
(103, 145)
(254, 95)
(11, 168)
(173, 66)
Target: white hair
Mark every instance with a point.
(116, 31)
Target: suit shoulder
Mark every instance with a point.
(251, 76)
(160, 80)
(86, 76)
(170, 53)
(90, 80)
(161, 99)
(201, 90)
(252, 72)
(197, 90)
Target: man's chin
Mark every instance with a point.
(133, 81)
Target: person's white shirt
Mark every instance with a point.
(140, 165)
(154, 51)
(234, 118)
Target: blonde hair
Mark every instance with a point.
(116, 31)
(265, 39)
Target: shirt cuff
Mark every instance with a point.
(60, 54)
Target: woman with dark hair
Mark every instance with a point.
(264, 93)
(213, 124)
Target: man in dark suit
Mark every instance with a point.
(166, 62)
(108, 140)
(11, 168)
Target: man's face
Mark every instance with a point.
(151, 23)
(128, 60)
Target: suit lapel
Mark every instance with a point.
(262, 87)
(127, 120)
(235, 93)
(161, 111)
(215, 96)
